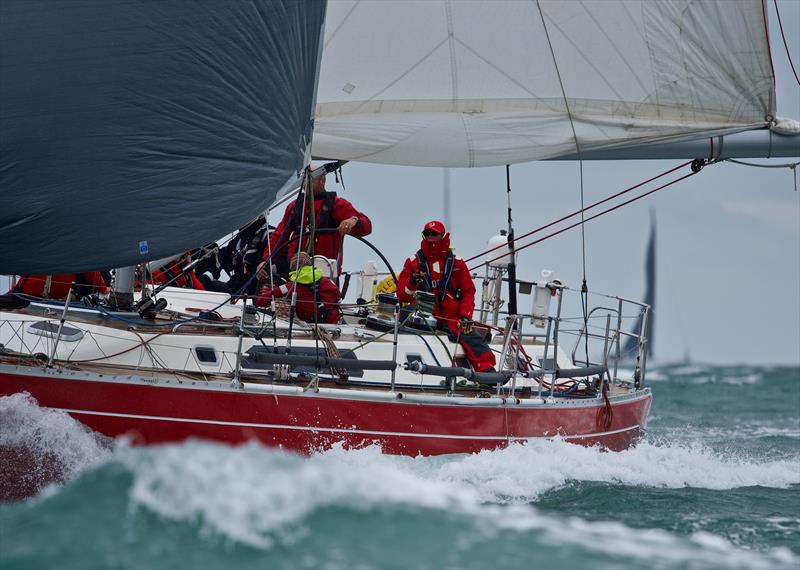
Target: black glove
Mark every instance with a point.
(417, 278)
(465, 325)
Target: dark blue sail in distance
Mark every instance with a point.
(132, 130)
(630, 346)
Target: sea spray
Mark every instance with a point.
(39, 446)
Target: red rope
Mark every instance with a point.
(548, 236)
(605, 415)
(576, 212)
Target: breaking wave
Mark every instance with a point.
(250, 494)
(264, 498)
(39, 446)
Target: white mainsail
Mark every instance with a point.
(462, 84)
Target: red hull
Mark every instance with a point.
(307, 422)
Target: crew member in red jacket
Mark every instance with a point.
(315, 292)
(57, 286)
(437, 270)
(172, 272)
(330, 211)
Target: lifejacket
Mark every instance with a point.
(442, 285)
(310, 277)
(325, 219)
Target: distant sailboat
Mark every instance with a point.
(630, 347)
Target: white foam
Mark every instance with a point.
(537, 467)
(49, 435)
(253, 495)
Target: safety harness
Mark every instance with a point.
(441, 285)
(323, 221)
(325, 218)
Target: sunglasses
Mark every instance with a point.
(430, 234)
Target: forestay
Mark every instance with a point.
(135, 130)
(445, 83)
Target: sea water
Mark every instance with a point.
(716, 484)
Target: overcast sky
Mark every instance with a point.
(728, 286)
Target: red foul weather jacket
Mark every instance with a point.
(59, 285)
(172, 269)
(327, 305)
(329, 211)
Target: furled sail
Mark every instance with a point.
(132, 130)
(473, 83)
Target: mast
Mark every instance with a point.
(512, 266)
(446, 199)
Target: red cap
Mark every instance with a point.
(435, 226)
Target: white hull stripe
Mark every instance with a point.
(343, 430)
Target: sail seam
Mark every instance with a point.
(503, 73)
(451, 44)
(470, 142)
(406, 72)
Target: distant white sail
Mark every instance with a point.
(445, 83)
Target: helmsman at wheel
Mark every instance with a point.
(330, 212)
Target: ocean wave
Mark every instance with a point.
(258, 496)
(39, 446)
(741, 375)
(250, 493)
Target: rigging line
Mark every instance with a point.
(342, 23)
(590, 218)
(415, 65)
(792, 165)
(560, 81)
(584, 288)
(271, 284)
(589, 207)
(785, 45)
(291, 194)
(769, 53)
(312, 219)
(306, 186)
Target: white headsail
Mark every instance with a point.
(474, 83)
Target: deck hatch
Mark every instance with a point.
(206, 354)
(50, 328)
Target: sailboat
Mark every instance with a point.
(168, 125)
(630, 350)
